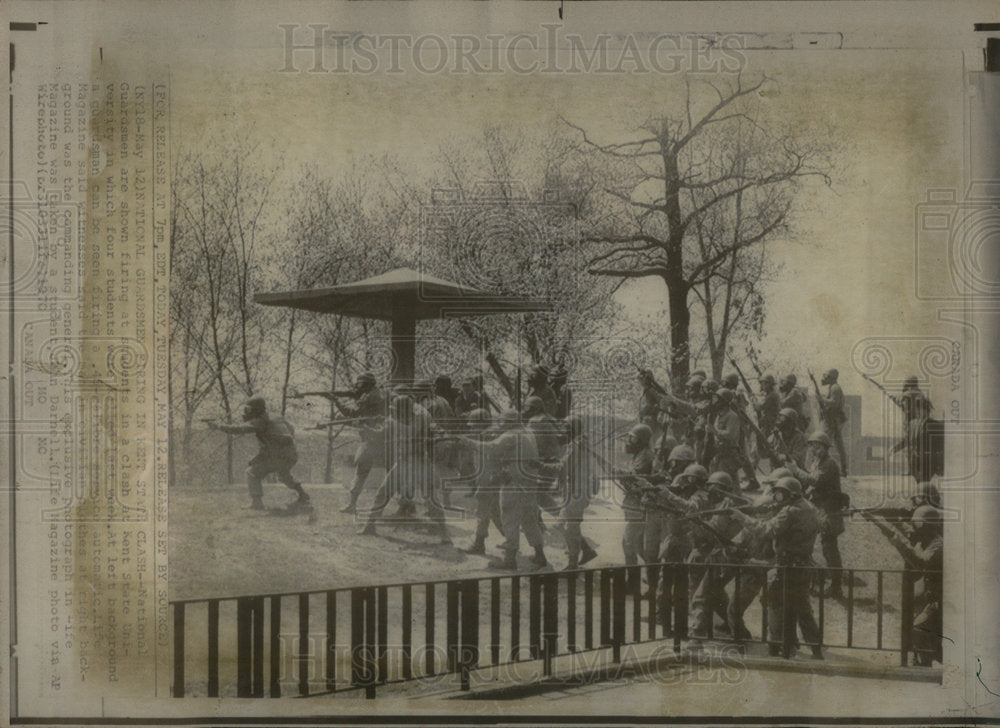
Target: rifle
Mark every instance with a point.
(895, 400)
(820, 399)
(344, 421)
(752, 356)
(762, 438)
(890, 514)
(349, 393)
(753, 399)
(655, 384)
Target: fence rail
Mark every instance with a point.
(324, 642)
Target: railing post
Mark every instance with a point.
(620, 584)
(680, 584)
(330, 663)
(213, 648)
(534, 615)
(244, 680)
(179, 650)
(362, 637)
(906, 618)
(303, 644)
(275, 647)
(451, 626)
(550, 621)
(469, 635)
(787, 622)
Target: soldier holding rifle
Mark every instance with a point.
(832, 415)
(367, 410)
(792, 531)
(922, 549)
(277, 451)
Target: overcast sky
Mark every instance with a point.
(848, 274)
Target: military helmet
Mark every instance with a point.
(641, 434)
(533, 406)
(681, 453)
(365, 378)
(910, 383)
(711, 385)
(478, 415)
(790, 379)
(695, 381)
(254, 407)
(831, 375)
(726, 396)
(777, 474)
(699, 373)
(819, 437)
(731, 381)
(928, 494)
(926, 515)
(694, 471)
(721, 479)
(510, 418)
(767, 379)
(790, 485)
(787, 413)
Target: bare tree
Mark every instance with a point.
(687, 169)
(511, 227)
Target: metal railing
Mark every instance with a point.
(327, 641)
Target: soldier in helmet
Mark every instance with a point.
(486, 490)
(792, 531)
(758, 552)
(793, 398)
(787, 439)
(538, 386)
(923, 436)
(548, 434)
(667, 534)
(922, 550)
(927, 494)
(277, 452)
(408, 467)
(637, 445)
(564, 395)
(770, 404)
(822, 484)
(510, 464)
(468, 398)
(369, 407)
(727, 432)
(834, 416)
(579, 485)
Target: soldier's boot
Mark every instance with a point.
(368, 529)
(508, 563)
(573, 560)
(478, 547)
(817, 652)
(539, 559)
(303, 497)
(351, 507)
(256, 504)
(587, 554)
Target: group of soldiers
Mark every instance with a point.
(683, 497)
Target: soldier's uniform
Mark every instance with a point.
(834, 416)
(578, 485)
(277, 452)
(728, 431)
(793, 532)
(642, 465)
(370, 452)
(822, 484)
(468, 399)
(787, 440)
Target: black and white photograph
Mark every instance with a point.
(560, 362)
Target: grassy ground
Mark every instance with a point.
(218, 549)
